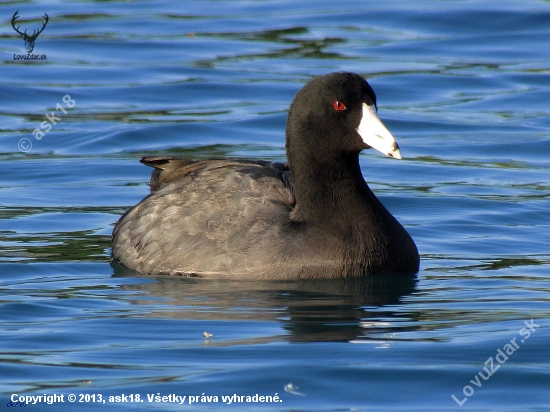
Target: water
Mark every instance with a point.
(463, 85)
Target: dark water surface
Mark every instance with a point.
(463, 85)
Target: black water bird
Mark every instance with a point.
(314, 217)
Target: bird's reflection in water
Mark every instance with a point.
(309, 310)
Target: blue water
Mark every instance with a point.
(464, 87)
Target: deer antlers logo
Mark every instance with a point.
(29, 40)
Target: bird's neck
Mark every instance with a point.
(326, 190)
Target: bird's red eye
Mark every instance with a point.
(338, 105)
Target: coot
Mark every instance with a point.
(314, 217)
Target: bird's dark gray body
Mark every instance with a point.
(208, 218)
